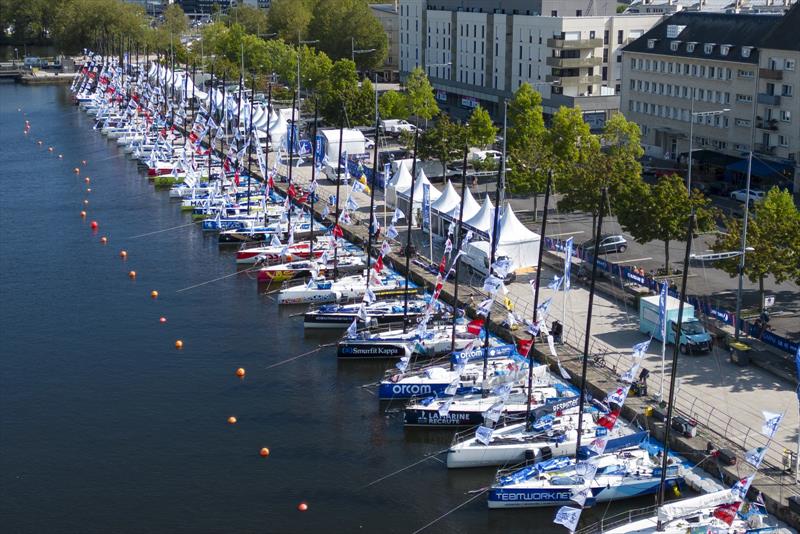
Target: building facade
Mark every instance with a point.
(389, 17)
(734, 76)
(476, 53)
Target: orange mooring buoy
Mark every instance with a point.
(132, 275)
(94, 225)
(264, 452)
(83, 214)
(240, 372)
(154, 294)
(302, 507)
(49, 149)
(104, 240)
(179, 344)
(123, 254)
(231, 420)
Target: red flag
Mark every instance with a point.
(378, 265)
(302, 199)
(337, 231)
(727, 512)
(524, 346)
(291, 192)
(227, 165)
(271, 182)
(442, 266)
(474, 326)
(236, 177)
(610, 419)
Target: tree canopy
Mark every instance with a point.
(774, 234)
(419, 95)
(529, 154)
(482, 131)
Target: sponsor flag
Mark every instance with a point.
(567, 263)
(494, 412)
(568, 516)
(391, 232)
(755, 456)
(444, 408)
(353, 328)
(580, 495)
(484, 434)
(492, 284)
(398, 214)
(771, 423)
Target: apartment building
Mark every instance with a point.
(722, 6)
(478, 53)
(388, 15)
(735, 76)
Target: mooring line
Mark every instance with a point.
(294, 358)
(428, 457)
(451, 511)
(164, 230)
(210, 281)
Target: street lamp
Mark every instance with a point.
(353, 50)
(300, 42)
(692, 115)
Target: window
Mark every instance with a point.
(783, 140)
(633, 84)
(788, 64)
(592, 34)
(651, 43)
(786, 90)
(620, 36)
(745, 73)
(605, 37)
(578, 13)
(619, 58)
(605, 55)
(708, 48)
(638, 85)
(746, 51)
(674, 45)
(724, 49)
(744, 123)
(711, 72)
(686, 69)
(702, 71)
(701, 94)
(786, 115)
(690, 47)
(633, 61)
(744, 99)
(554, 13)
(694, 70)
(727, 98)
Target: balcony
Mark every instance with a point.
(770, 74)
(573, 62)
(769, 100)
(583, 79)
(765, 149)
(770, 124)
(574, 44)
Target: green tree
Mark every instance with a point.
(444, 142)
(661, 212)
(419, 95)
(253, 19)
(392, 105)
(175, 20)
(341, 25)
(529, 153)
(290, 18)
(482, 131)
(85, 23)
(774, 234)
(361, 108)
(340, 89)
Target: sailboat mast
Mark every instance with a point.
(291, 164)
(250, 142)
(336, 211)
(528, 422)
(582, 401)
(409, 219)
(458, 247)
(313, 192)
(501, 177)
(674, 371)
(210, 138)
(372, 230)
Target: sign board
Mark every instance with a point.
(469, 101)
(769, 301)
(441, 95)
(426, 207)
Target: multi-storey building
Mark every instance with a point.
(722, 6)
(388, 15)
(479, 52)
(735, 76)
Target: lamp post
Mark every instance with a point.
(353, 50)
(300, 43)
(692, 115)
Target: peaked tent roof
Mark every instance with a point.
(512, 231)
(419, 183)
(401, 179)
(483, 219)
(448, 200)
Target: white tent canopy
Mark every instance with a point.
(516, 241)
(449, 201)
(400, 181)
(482, 220)
(404, 197)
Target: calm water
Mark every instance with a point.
(104, 426)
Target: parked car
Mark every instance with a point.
(608, 244)
(741, 195)
(369, 143)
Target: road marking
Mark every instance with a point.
(637, 259)
(566, 233)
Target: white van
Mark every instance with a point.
(476, 259)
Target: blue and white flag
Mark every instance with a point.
(640, 349)
(556, 283)
(353, 328)
(484, 434)
(362, 312)
(492, 284)
(403, 364)
(544, 308)
(568, 516)
(358, 187)
(579, 495)
(755, 456)
(369, 296)
(444, 408)
(325, 211)
(387, 171)
(502, 391)
(485, 307)
(398, 214)
(630, 375)
(567, 263)
(494, 412)
(501, 267)
(391, 232)
(452, 387)
(771, 423)
(426, 206)
(662, 310)
(275, 242)
(797, 365)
